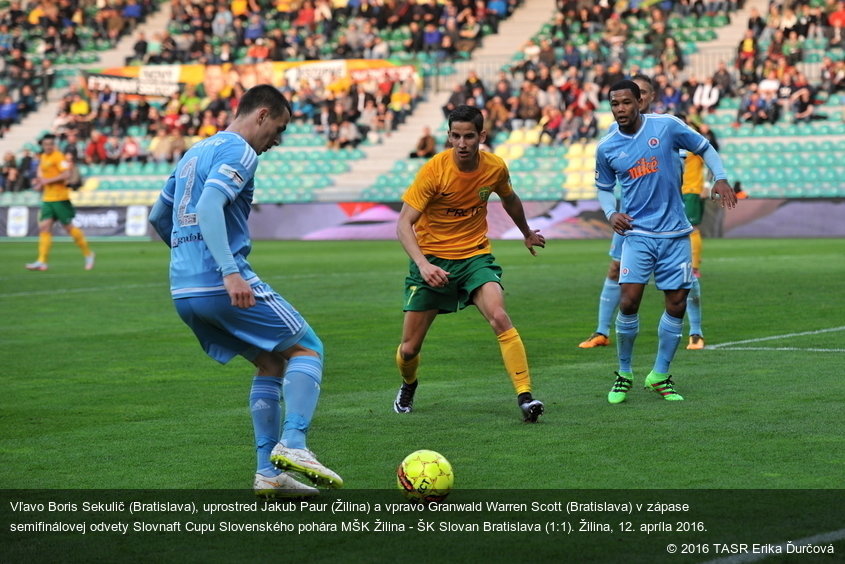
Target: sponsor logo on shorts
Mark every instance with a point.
(625, 272)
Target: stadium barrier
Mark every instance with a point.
(583, 219)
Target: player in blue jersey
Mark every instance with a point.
(609, 297)
(642, 155)
(202, 215)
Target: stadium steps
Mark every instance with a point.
(382, 176)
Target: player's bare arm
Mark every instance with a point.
(532, 237)
(621, 222)
(727, 196)
(433, 275)
(239, 291)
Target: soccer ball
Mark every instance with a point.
(426, 476)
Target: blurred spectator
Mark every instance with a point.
(755, 109)
(723, 80)
(426, 146)
(9, 114)
(550, 122)
(458, 97)
(348, 135)
(9, 173)
(527, 111)
(706, 96)
(95, 150)
(588, 127)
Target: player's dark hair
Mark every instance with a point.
(47, 137)
(467, 114)
(644, 78)
(263, 96)
(627, 85)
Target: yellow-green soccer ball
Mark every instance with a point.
(426, 476)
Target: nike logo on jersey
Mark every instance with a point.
(447, 194)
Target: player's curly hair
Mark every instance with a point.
(263, 96)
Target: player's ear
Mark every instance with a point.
(263, 113)
(482, 136)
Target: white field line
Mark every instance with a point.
(779, 349)
(774, 337)
(823, 538)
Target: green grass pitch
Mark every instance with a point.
(101, 377)
(104, 388)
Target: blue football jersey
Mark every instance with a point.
(648, 167)
(224, 162)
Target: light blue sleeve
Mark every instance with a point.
(714, 163)
(605, 175)
(213, 227)
(608, 203)
(161, 215)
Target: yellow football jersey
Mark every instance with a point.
(52, 165)
(693, 174)
(454, 204)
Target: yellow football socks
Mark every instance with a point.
(695, 243)
(45, 241)
(408, 368)
(516, 362)
(79, 239)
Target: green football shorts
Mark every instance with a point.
(62, 211)
(465, 276)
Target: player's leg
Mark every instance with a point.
(696, 334)
(66, 214)
(415, 326)
(301, 390)
(213, 320)
(45, 237)
(673, 275)
(422, 304)
(635, 270)
(608, 299)
(490, 301)
(696, 340)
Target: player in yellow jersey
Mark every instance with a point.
(692, 189)
(53, 173)
(443, 229)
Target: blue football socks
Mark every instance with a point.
(301, 390)
(266, 412)
(669, 336)
(608, 301)
(627, 328)
(694, 308)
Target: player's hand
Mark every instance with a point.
(433, 275)
(239, 291)
(727, 196)
(535, 240)
(621, 222)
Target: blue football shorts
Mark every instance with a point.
(225, 331)
(670, 260)
(615, 251)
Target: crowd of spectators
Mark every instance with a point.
(557, 85)
(254, 31)
(35, 34)
(770, 84)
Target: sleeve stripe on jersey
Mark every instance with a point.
(249, 156)
(167, 198)
(229, 192)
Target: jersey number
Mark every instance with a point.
(187, 171)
